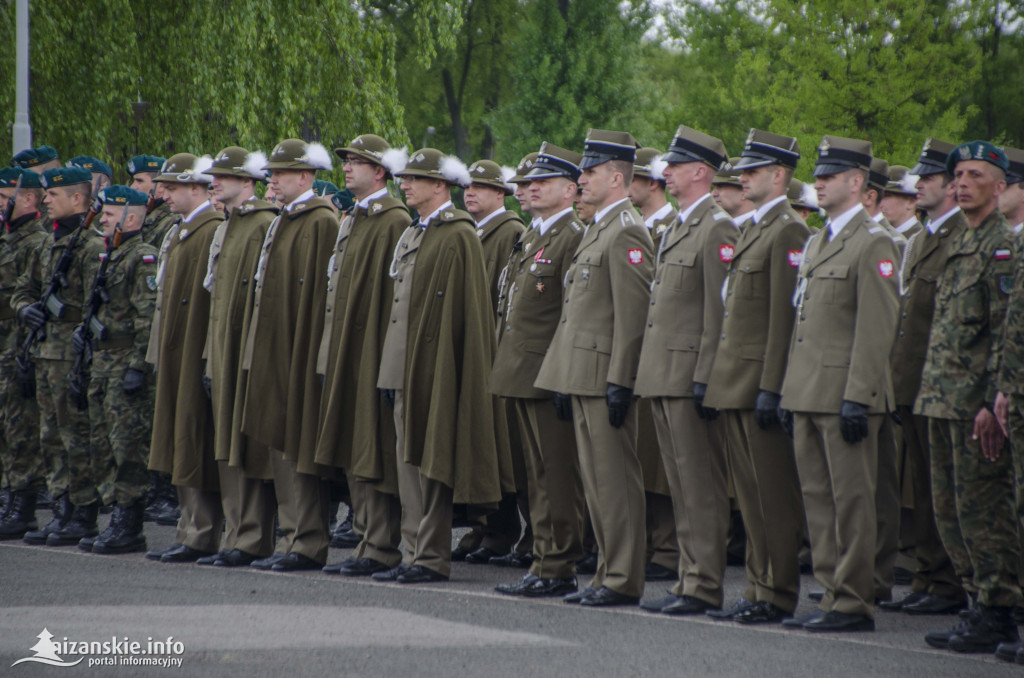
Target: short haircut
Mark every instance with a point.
(625, 169)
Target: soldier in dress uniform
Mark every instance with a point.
(22, 463)
(899, 202)
(283, 394)
(837, 385)
(746, 379)
(357, 430)
(243, 464)
(1011, 200)
(591, 365)
(683, 324)
(123, 299)
(971, 464)
(159, 219)
(183, 442)
(438, 349)
(535, 272)
(802, 199)
(727, 192)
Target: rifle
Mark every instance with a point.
(9, 210)
(151, 203)
(91, 328)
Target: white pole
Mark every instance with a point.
(22, 131)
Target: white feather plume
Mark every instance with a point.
(202, 164)
(254, 163)
(317, 156)
(395, 159)
(908, 182)
(506, 175)
(455, 171)
(809, 196)
(658, 168)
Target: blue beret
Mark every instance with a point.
(145, 163)
(977, 150)
(122, 196)
(9, 178)
(92, 164)
(324, 189)
(66, 176)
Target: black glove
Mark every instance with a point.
(33, 316)
(618, 399)
(208, 386)
(134, 380)
(389, 396)
(786, 421)
(699, 391)
(79, 340)
(766, 409)
(853, 421)
(563, 406)
(26, 378)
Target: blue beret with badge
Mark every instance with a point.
(92, 164)
(122, 196)
(324, 189)
(145, 163)
(66, 176)
(977, 150)
(9, 178)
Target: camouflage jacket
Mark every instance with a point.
(1011, 363)
(966, 338)
(17, 248)
(157, 223)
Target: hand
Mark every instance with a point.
(896, 418)
(208, 386)
(1002, 412)
(79, 340)
(563, 406)
(853, 421)
(134, 380)
(766, 409)
(389, 396)
(786, 420)
(986, 429)
(33, 316)
(699, 391)
(618, 399)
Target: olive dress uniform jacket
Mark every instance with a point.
(357, 431)
(497, 237)
(846, 306)
(684, 316)
(755, 332)
(234, 254)
(282, 396)
(182, 442)
(599, 336)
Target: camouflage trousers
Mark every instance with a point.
(121, 429)
(20, 458)
(975, 512)
(64, 435)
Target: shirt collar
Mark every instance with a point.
(365, 202)
(839, 223)
(878, 218)
(605, 210)
(305, 196)
(906, 225)
(426, 222)
(933, 224)
(763, 209)
(545, 225)
(196, 211)
(739, 221)
(489, 217)
(663, 212)
(685, 214)
(1019, 227)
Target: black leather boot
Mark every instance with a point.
(127, 536)
(20, 516)
(62, 508)
(82, 524)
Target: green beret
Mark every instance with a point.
(977, 150)
(122, 196)
(9, 178)
(26, 159)
(145, 163)
(66, 176)
(324, 189)
(46, 153)
(92, 164)
(344, 200)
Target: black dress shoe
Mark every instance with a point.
(575, 598)
(335, 568)
(689, 605)
(815, 596)
(157, 554)
(762, 612)
(659, 604)
(897, 605)
(362, 567)
(211, 559)
(835, 622)
(235, 558)
(516, 588)
(798, 622)
(545, 587)
(728, 613)
(514, 559)
(656, 572)
(417, 574)
(348, 539)
(183, 554)
(481, 556)
(587, 564)
(294, 562)
(932, 604)
(390, 575)
(459, 554)
(268, 562)
(606, 597)
(1008, 651)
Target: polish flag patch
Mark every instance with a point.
(885, 268)
(636, 256)
(725, 252)
(1002, 254)
(148, 259)
(795, 257)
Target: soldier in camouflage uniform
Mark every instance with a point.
(159, 219)
(120, 384)
(972, 474)
(63, 427)
(19, 446)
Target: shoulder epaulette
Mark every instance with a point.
(626, 218)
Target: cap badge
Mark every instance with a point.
(824, 147)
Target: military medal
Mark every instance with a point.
(540, 285)
(585, 274)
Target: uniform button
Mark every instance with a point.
(729, 293)
(405, 246)
(723, 337)
(725, 315)
(440, 293)
(747, 269)
(396, 298)
(394, 320)
(184, 301)
(400, 280)
(657, 282)
(328, 309)
(652, 302)
(901, 334)
(650, 324)
(330, 289)
(515, 289)
(904, 315)
(803, 318)
(563, 320)
(799, 338)
(508, 328)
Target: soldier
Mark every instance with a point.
(727, 191)
(357, 430)
(878, 180)
(182, 443)
(38, 159)
(591, 365)
(971, 465)
(22, 464)
(746, 379)
(143, 169)
(243, 464)
(683, 321)
(935, 587)
(837, 384)
(899, 202)
(442, 302)
(282, 396)
(536, 271)
(802, 199)
(1011, 200)
(102, 175)
(59, 267)
(122, 299)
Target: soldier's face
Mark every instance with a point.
(596, 183)
(110, 217)
(421, 191)
(143, 181)
(678, 176)
(289, 184)
(640, 191)
(523, 196)
(25, 204)
(932, 190)
(757, 184)
(978, 185)
(1011, 203)
(60, 203)
(584, 210)
(482, 200)
(898, 208)
(729, 198)
(360, 175)
(550, 195)
(835, 191)
(226, 189)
